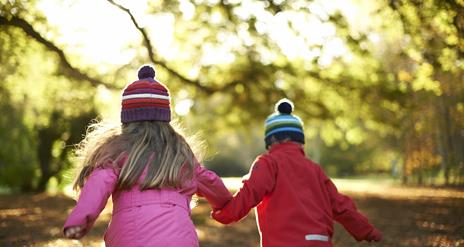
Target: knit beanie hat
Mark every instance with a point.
(283, 125)
(145, 99)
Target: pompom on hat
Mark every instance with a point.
(145, 99)
(282, 125)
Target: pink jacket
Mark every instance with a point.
(150, 217)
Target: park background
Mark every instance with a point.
(378, 84)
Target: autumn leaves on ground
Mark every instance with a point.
(413, 217)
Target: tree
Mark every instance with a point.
(42, 121)
(353, 91)
(433, 134)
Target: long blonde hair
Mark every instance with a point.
(155, 144)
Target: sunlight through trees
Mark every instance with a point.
(378, 84)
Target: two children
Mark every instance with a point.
(151, 173)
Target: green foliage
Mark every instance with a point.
(226, 166)
(379, 86)
(43, 115)
(432, 79)
(17, 162)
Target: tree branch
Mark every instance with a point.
(147, 42)
(151, 54)
(67, 68)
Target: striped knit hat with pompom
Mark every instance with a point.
(145, 99)
(282, 125)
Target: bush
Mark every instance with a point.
(226, 166)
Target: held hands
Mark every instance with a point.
(374, 235)
(219, 216)
(216, 214)
(74, 232)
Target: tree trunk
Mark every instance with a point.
(447, 139)
(42, 185)
(47, 137)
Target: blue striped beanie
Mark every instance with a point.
(283, 125)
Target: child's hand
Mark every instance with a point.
(216, 214)
(374, 235)
(74, 232)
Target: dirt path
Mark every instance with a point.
(407, 217)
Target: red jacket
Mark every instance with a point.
(296, 202)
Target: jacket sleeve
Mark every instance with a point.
(345, 212)
(92, 199)
(260, 182)
(211, 187)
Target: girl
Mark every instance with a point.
(149, 170)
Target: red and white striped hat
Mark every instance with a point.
(145, 99)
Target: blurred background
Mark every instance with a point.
(378, 84)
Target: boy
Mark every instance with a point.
(296, 202)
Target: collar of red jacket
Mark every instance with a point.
(286, 146)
